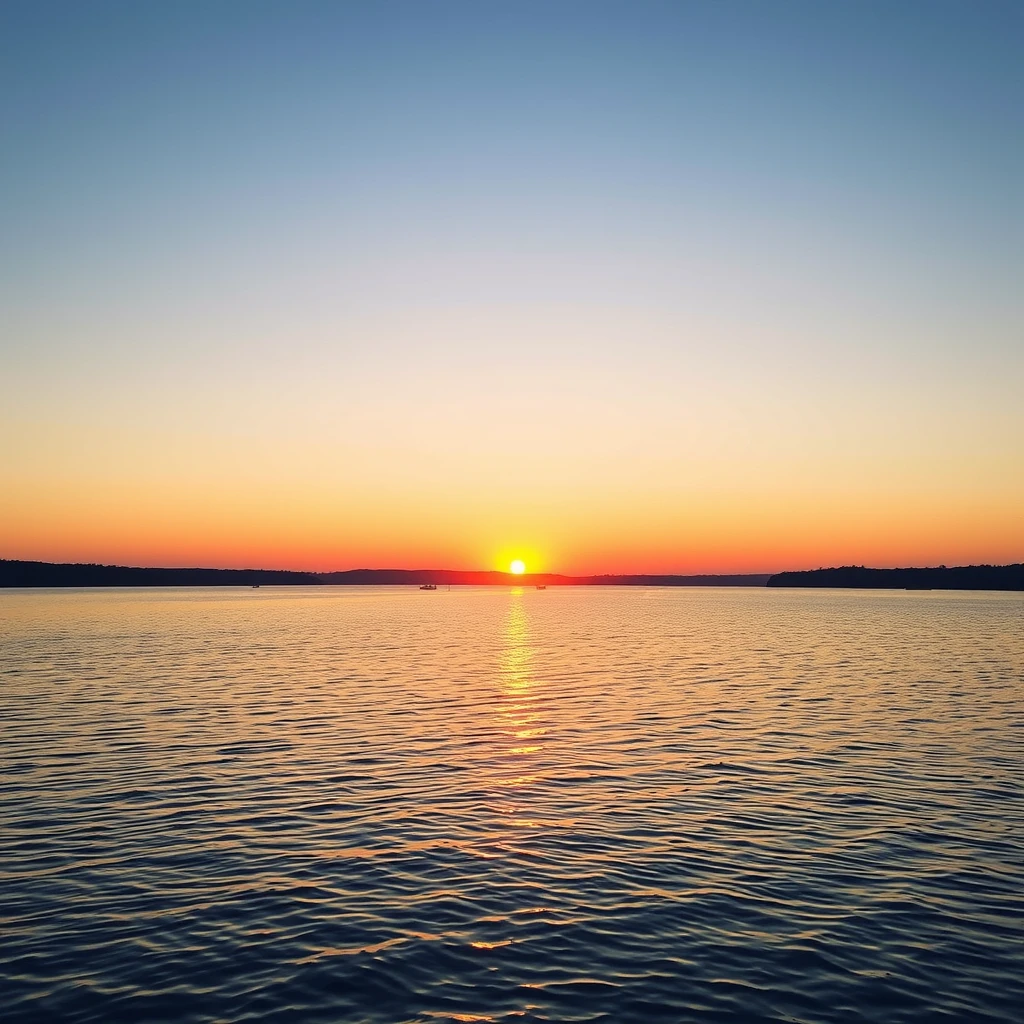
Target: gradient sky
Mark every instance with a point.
(667, 287)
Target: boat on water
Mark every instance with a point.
(542, 586)
(429, 586)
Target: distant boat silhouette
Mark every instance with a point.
(542, 586)
(255, 586)
(429, 586)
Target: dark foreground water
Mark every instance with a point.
(571, 805)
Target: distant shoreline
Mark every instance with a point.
(21, 574)
(16, 574)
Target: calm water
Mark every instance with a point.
(570, 805)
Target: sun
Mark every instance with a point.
(518, 567)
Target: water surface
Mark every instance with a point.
(621, 805)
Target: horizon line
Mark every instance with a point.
(494, 572)
(365, 568)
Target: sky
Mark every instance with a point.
(608, 287)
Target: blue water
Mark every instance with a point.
(615, 805)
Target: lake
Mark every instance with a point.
(577, 804)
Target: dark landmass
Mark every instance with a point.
(57, 574)
(53, 574)
(961, 577)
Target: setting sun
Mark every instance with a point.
(518, 566)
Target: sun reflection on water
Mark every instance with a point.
(520, 711)
(516, 658)
(518, 724)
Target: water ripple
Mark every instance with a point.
(571, 805)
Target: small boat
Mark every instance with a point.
(255, 586)
(429, 586)
(542, 586)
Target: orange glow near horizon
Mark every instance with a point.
(574, 503)
(723, 534)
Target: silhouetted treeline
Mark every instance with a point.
(54, 574)
(961, 577)
(51, 574)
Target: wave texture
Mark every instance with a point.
(573, 805)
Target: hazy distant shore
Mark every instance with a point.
(54, 574)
